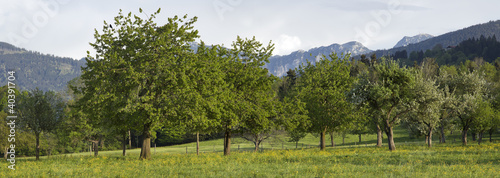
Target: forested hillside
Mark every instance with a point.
(34, 69)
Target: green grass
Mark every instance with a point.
(411, 159)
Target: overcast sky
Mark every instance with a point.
(65, 27)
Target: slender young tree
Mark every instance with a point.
(40, 112)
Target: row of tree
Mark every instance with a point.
(147, 79)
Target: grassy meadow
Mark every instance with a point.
(411, 159)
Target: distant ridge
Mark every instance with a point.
(448, 39)
(412, 40)
(279, 65)
(34, 69)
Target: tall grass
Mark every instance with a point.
(443, 160)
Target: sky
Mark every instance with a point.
(66, 27)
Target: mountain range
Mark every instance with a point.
(279, 65)
(49, 72)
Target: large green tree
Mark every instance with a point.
(140, 71)
(40, 112)
(323, 88)
(249, 100)
(388, 91)
(469, 89)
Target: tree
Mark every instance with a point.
(141, 71)
(485, 117)
(204, 109)
(469, 88)
(387, 91)
(40, 112)
(248, 102)
(322, 87)
(428, 100)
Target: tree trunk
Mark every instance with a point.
(227, 142)
(443, 138)
(390, 138)
(96, 148)
(322, 139)
(379, 136)
(464, 136)
(343, 138)
(331, 137)
(426, 139)
(429, 143)
(146, 143)
(5, 153)
(197, 143)
(37, 135)
(473, 136)
(124, 146)
(129, 139)
(296, 144)
(480, 138)
(359, 135)
(257, 144)
(491, 133)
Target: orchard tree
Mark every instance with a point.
(484, 118)
(428, 100)
(469, 88)
(140, 70)
(204, 109)
(40, 111)
(323, 88)
(388, 92)
(247, 101)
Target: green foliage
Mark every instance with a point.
(387, 91)
(139, 77)
(40, 111)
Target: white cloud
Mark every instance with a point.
(286, 44)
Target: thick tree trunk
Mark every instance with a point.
(379, 136)
(37, 154)
(257, 144)
(227, 142)
(96, 148)
(429, 143)
(359, 135)
(146, 143)
(464, 136)
(426, 139)
(443, 138)
(331, 138)
(197, 143)
(322, 139)
(390, 138)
